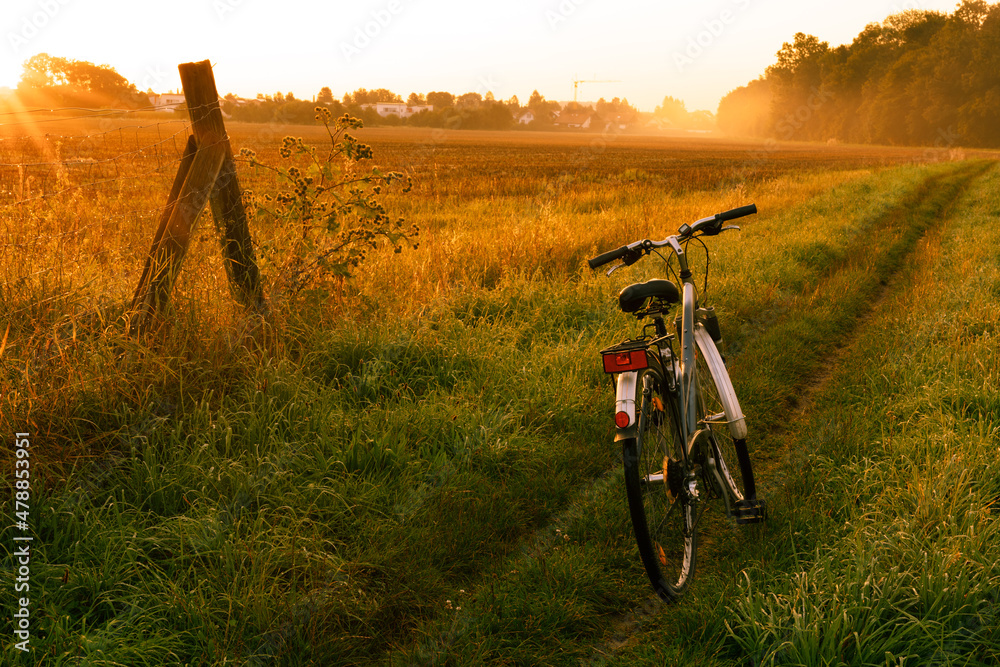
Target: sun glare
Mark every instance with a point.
(10, 73)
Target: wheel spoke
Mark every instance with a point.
(659, 502)
(731, 463)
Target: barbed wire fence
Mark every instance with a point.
(79, 192)
(83, 194)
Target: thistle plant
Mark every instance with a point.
(331, 204)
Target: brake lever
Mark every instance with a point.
(729, 227)
(629, 258)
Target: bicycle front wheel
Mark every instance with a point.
(663, 511)
(719, 411)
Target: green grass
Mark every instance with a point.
(320, 496)
(555, 625)
(902, 462)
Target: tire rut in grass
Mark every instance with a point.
(913, 217)
(798, 339)
(926, 210)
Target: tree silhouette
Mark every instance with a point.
(70, 82)
(325, 96)
(918, 77)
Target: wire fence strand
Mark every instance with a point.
(87, 113)
(78, 213)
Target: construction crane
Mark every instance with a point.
(577, 82)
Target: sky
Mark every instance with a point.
(641, 51)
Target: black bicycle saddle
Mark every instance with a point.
(633, 297)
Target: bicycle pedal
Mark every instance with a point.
(750, 511)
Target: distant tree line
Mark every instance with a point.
(917, 78)
(471, 111)
(52, 81)
(673, 112)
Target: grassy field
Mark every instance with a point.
(419, 469)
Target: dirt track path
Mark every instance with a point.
(774, 466)
(775, 447)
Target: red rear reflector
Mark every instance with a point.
(629, 360)
(621, 419)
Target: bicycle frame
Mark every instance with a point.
(626, 386)
(693, 338)
(672, 429)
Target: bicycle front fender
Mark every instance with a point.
(625, 402)
(734, 415)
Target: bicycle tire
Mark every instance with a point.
(719, 411)
(663, 513)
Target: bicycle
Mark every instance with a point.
(676, 413)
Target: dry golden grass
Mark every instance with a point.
(80, 199)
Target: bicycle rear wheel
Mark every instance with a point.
(719, 411)
(663, 511)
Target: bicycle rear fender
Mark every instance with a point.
(734, 415)
(625, 402)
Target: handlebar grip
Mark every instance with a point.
(609, 256)
(749, 209)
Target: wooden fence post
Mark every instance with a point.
(202, 99)
(198, 174)
(143, 288)
(207, 174)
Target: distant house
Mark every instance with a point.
(577, 119)
(621, 121)
(239, 101)
(165, 101)
(526, 116)
(659, 123)
(397, 108)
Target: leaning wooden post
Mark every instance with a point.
(202, 99)
(164, 264)
(142, 290)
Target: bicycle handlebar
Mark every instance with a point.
(749, 209)
(709, 226)
(712, 225)
(609, 256)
